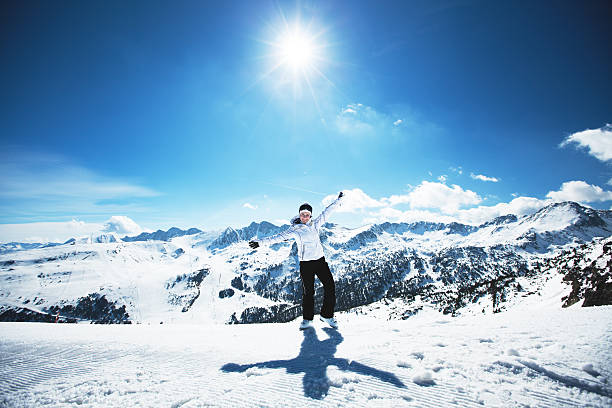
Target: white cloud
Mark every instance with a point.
(389, 214)
(249, 205)
(440, 196)
(438, 202)
(436, 196)
(396, 199)
(483, 178)
(122, 225)
(397, 122)
(46, 231)
(578, 191)
(353, 201)
(598, 142)
(474, 216)
(443, 178)
(458, 170)
(581, 192)
(62, 231)
(519, 206)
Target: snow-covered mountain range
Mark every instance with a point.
(160, 235)
(195, 276)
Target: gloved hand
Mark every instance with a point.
(341, 195)
(253, 244)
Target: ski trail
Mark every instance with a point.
(497, 361)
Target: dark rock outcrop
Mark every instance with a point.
(95, 308)
(226, 293)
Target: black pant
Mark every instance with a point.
(308, 270)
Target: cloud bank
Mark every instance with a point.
(44, 232)
(438, 202)
(122, 225)
(580, 191)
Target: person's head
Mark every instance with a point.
(305, 213)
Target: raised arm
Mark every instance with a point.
(320, 220)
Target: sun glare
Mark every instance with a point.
(297, 51)
(296, 57)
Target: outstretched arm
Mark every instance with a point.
(282, 236)
(320, 220)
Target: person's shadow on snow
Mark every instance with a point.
(314, 358)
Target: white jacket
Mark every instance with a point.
(306, 235)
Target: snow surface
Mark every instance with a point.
(536, 355)
(134, 274)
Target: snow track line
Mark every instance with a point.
(23, 369)
(568, 380)
(553, 401)
(430, 396)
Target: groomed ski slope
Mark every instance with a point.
(536, 355)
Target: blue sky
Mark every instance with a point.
(189, 114)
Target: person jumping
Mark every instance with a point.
(305, 231)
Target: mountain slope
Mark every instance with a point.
(216, 277)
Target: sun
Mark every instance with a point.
(295, 57)
(296, 54)
(297, 50)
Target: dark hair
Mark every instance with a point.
(306, 206)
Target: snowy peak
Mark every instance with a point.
(96, 239)
(416, 228)
(160, 235)
(259, 230)
(105, 239)
(253, 231)
(504, 219)
(559, 224)
(555, 225)
(559, 216)
(19, 246)
(24, 246)
(228, 236)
